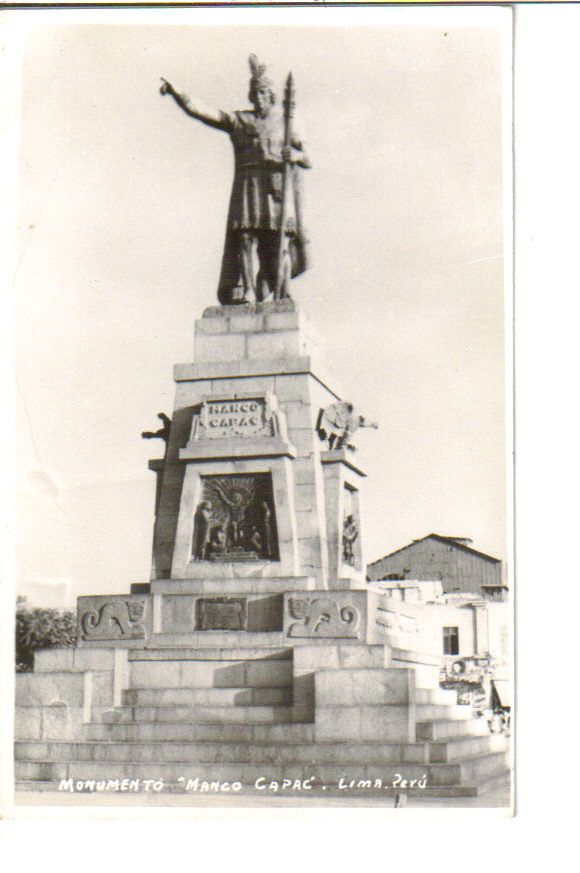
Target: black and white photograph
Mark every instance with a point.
(263, 548)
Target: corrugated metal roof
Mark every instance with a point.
(450, 541)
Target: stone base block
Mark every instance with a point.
(255, 332)
(71, 689)
(211, 674)
(252, 613)
(57, 722)
(336, 657)
(387, 723)
(350, 687)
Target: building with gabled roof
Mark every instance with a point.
(449, 560)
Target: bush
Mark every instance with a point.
(42, 629)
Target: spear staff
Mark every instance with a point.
(283, 252)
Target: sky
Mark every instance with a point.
(123, 201)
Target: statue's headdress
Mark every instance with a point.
(259, 78)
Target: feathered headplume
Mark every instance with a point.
(259, 78)
(257, 69)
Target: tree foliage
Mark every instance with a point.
(42, 629)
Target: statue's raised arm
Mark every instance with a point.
(266, 243)
(194, 107)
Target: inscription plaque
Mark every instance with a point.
(238, 417)
(222, 613)
(235, 418)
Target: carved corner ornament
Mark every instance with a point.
(323, 618)
(114, 620)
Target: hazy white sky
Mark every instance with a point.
(123, 205)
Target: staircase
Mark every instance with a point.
(237, 721)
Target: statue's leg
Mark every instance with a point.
(269, 254)
(282, 265)
(247, 262)
(266, 274)
(285, 284)
(262, 287)
(230, 286)
(286, 270)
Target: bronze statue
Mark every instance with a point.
(231, 498)
(255, 540)
(349, 535)
(203, 531)
(265, 213)
(234, 520)
(267, 522)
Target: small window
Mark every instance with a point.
(450, 640)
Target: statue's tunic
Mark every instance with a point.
(256, 198)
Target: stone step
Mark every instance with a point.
(437, 775)
(439, 696)
(447, 729)
(466, 747)
(72, 659)
(211, 653)
(163, 751)
(220, 639)
(266, 585)
(471, 771)
(219, 733)
(264, 714)
(208, 696)
(257, 673)
(450, 712)
(426, 667)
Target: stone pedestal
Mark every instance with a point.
(257, 639)
(247, 407)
